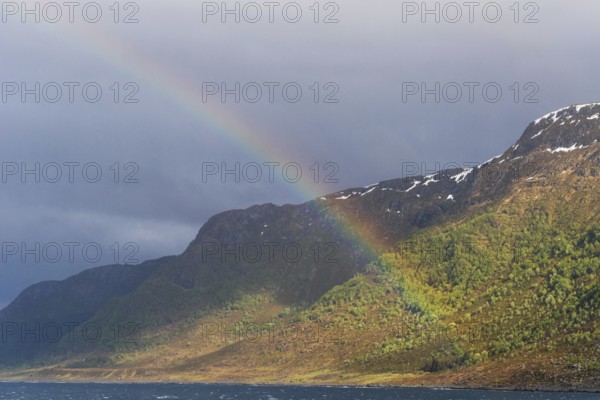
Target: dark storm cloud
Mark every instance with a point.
(369, 54)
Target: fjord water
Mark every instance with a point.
(87, 391)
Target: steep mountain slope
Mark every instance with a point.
(462, 277)
(64, 304)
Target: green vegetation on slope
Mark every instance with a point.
(508, 281)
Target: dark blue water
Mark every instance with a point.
(70, 391)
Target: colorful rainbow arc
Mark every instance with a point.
(255, 141)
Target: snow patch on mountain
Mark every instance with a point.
(429, 179)
(489, 161)
(566, 149)
(415, 184)
(458, 178)
(369, 191)
(538, 134)
(344, 197)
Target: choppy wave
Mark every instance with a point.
(54, 391)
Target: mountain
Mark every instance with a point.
(69, 302)
(486, 276)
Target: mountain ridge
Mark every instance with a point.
(554, 151)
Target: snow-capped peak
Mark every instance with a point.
(568, 116)
(580, 107)
(554, 114)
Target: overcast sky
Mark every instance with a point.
(170, 134)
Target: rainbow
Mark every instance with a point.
(248, 136)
